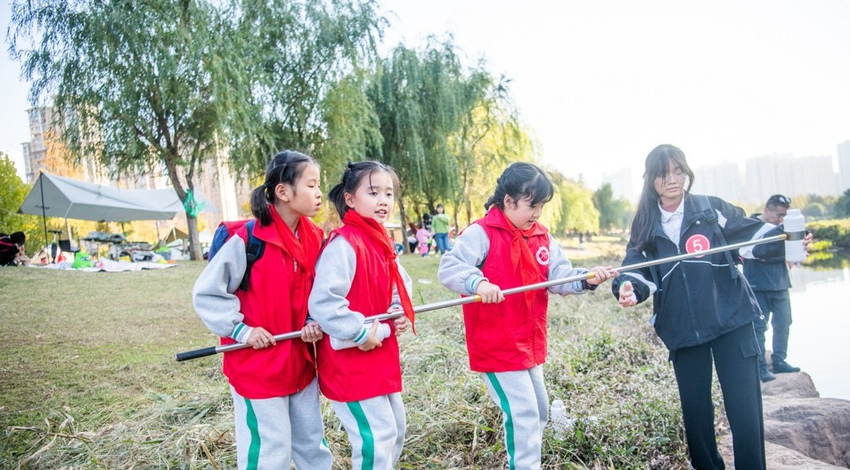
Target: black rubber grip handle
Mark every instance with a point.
(185, 356)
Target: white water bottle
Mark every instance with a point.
(382, 333)
(560, 421)
(795, 229)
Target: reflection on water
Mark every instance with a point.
(820, 334)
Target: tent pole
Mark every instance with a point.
(43, 211)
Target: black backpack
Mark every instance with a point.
(253, 246)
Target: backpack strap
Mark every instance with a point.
(704, 205)
(253, 251)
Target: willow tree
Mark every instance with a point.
(421, 99)
(307, 72)
(146, 84)
(572, 207)
(488, 139)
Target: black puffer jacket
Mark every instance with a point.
(699, 298)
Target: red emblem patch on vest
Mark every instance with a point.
(543, 255)
(697, 243)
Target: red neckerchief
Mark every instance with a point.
(304, 250)
(377, 233)
(521, 255)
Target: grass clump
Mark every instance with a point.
(89, 380)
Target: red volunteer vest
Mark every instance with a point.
(508, 336)
(276, 300)
(351, 374)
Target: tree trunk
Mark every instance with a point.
(403, 214)
(195, 253)
(192, 223)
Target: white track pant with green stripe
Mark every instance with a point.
(375, 428)
(272, 432)
(522, 397)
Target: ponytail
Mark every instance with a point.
(521, 180)
(284, 168)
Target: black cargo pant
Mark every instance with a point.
(736, 359)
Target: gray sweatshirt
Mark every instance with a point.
(459, 266)
(328, 304)
(213, 295)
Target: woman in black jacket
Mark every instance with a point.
(703, 308)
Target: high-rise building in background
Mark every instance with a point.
(778, 173)
(622, 184)
(814, 175)
(215, 180)
(843, 166)
(722, 180)
(768, 174)
(35, 151)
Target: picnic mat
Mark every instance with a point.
(107, 265)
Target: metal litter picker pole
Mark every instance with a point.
(184, 356)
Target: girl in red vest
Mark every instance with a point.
(275, 392)
(506, 337)
(360, 276)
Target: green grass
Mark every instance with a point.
(89, 380)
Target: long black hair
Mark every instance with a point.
(352, 177)
(286, 167)
(657, 165)
(521, 180)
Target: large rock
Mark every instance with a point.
(802, 431)
(816, 427)
(778, 457)
(797, 385)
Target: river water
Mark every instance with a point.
(820, 334)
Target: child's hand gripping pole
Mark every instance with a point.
(474, 298)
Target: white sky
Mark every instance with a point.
(602, 82)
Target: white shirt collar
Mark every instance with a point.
(666, 216)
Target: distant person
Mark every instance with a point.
(440, 224)
(506, 336)
(13, 250)
(767, 273)
(704, 310)
(274, 385)
(423, 236)
(8, 250)
(20, 241)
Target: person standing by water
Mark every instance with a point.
(704, 310)
(767, 273)
(440, 225)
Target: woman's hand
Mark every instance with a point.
(627, 294)
(259, 338)
(311, 332)
(601, 274)
(372, 341)
(489, 293)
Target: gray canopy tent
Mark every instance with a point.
(57, 196)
